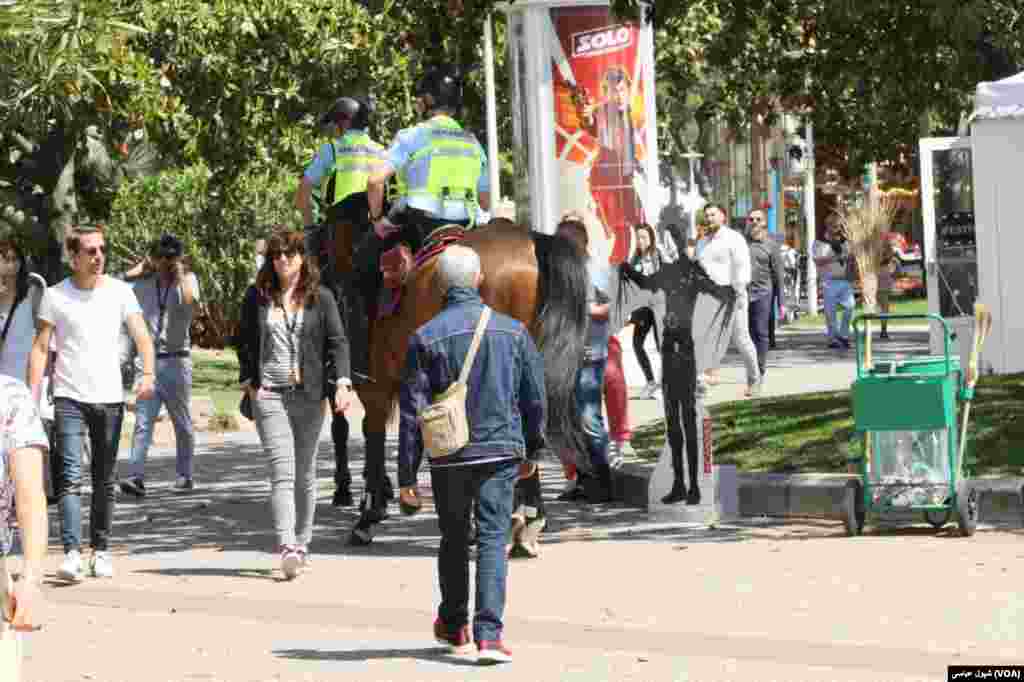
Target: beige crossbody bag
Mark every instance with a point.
(443, 423)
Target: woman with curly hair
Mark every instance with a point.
(292, 353)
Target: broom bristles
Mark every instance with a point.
(863, 227)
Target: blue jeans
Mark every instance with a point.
(101, 424)
(589, 392)
(838, 292)
(173, 389)
(455, 490)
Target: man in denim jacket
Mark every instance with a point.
(506, 408)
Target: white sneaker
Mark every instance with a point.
(102, 565)
(71, 568)
(650, 390)
(291, 563)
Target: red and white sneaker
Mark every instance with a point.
(492, 652)
(459, 642)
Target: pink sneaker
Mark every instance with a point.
(491, 652)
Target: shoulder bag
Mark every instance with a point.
(444, 423)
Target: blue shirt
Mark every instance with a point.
(408, 142)
(598, 330)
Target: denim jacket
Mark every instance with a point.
(505, 404)
(325, 355)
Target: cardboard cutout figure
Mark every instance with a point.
(697, 316)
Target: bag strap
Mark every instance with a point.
(477, 335)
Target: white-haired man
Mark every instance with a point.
(506, 408)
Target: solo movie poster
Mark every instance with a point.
(600, 123)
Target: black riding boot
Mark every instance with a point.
(358, 329)
(678, 492)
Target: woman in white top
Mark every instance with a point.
(20, 293)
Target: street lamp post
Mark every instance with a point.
(809, 218)
(693, 201)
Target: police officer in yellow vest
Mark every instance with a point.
(441, 167)
(340, 169)
(442, 179)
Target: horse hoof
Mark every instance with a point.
(360, 537)
(521, 551)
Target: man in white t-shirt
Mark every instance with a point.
(725, 256)
(84, 313)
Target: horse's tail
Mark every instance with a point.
(560, 329)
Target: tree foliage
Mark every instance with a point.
(872, 75)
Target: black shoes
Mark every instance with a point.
(342, 498)
(133, 487)
(677, 494)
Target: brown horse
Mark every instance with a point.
(538, 279)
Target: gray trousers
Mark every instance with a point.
(741, 338)
(289, 426)
(173, 389)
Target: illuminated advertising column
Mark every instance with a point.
(584, 118)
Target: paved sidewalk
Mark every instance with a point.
(198, 596)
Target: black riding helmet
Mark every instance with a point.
(443, 86)
(357, 110)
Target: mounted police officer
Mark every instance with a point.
(340, 169)
(441, 175)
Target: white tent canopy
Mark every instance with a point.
(997, 144)
(1000, 99)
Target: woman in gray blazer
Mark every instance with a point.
(293, 353)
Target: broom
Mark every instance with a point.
(982, 327)
(864, 226)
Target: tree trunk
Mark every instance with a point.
(63, 210)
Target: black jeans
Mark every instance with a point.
(679, 369)
(75, 422)
(758, 315)
(455, 489)
(643, 319)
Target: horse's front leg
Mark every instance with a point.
(374, 506)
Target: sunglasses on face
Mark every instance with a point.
(287, 253)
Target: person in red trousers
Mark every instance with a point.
(616, 402)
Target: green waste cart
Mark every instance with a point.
(905, 410)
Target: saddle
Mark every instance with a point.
(396, 264)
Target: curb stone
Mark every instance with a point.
(822, 495)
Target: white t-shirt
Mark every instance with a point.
(87, 324)
(835, 270)
(726, 258)
(15, 349)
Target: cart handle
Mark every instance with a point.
(931, 317)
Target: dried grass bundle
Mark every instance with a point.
(864, 226)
